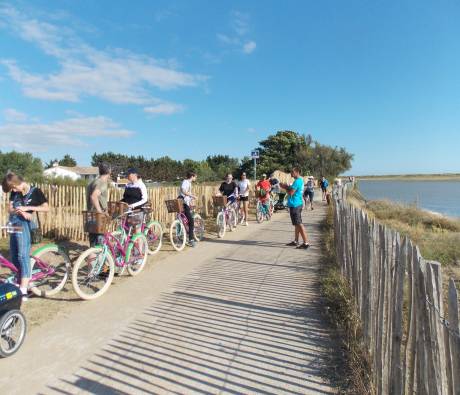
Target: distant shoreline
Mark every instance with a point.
(413, 177)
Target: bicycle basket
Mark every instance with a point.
(219, 201)
(175, 205)
(135, 218)
(116, 208)
(95, 222)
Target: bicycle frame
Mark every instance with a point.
(37, 274)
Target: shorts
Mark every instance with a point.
(310, 195)
(244, 198)
(296, 215)
(96, 239)
(324, 189)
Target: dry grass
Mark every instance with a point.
(355, 371)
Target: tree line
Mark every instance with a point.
(280, 151)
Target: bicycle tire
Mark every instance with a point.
(155, 241)
(198, 231)
(133, 246)
(177, 232)
(51, 284)
(108, 260)
(231, 219)
(260, 216)
(221, 225)
(10, 318)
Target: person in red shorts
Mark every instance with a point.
(263, 188)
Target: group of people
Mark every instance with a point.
(26, 201)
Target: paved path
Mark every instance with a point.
(234, 316)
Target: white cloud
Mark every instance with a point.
(12, 115)
(76, 131)
(251, 130)
(239, 23)
(164, 109)
(118, 76)
(249, 47)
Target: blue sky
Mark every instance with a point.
(192, 78)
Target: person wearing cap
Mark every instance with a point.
(263, 188)
(135, 194)
(309, 191)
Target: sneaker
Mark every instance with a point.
(242, 221)
(25, 297)
(303, 246)
(293, 244)
(312, 207)
(246, 223)
(191, 243)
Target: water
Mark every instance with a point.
(439, 196)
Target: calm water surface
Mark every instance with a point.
(439, 196)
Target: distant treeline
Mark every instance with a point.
(280, 151)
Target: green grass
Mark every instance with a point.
(438, 237)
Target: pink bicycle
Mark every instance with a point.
(95, 268)
(50, 268)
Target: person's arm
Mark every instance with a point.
(95, 200)
(39, 198)
(185, 192)
(144, 198)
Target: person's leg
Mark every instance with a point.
(191, 224)
(24, 246)
(246, 210)
(301, 230)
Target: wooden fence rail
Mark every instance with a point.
(414, 345)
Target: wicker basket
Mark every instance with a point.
(175, 205)
(135, 218)
(219, 201)
(116, 208)
(95, 222)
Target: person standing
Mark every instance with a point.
(96, 198)
(324, 184)
(309, 191)
(295, 204)
(185, 193)
(243, 192)
(24, 201)
(135, 194)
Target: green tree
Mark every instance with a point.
(67, 160)
(223, 164)
(22, 163)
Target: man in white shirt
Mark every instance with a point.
(185, 192)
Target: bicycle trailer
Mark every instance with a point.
(281, 204)
(10, 298)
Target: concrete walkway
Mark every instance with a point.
(234, 316)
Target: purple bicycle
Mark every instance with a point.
(50, 268)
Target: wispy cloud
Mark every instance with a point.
(164, 109)
(12, 115)
(237, 37)
(77, 131)
(117, 75)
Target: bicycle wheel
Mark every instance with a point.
(136, 254)
(154, 235)
(13, 328)
(231, 219)
(177, 235)
(93, 273)
(198, 230)
(221, 226)
(50, 266)
(260, 216)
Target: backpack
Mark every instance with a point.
(262, 193)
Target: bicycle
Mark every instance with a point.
(50, 267)
(178, 230)
(262, 212)
(13, 324)
(94, 269)
(226, 216)
(152, 229)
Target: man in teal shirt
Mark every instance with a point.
(295, 204)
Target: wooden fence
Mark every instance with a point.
(64, 220)
(414, 345)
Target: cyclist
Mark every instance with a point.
(228, 188)
(185, 193)
(96, 198)
(263, 189)
(243, 192)
(24, 201)
(295, 209)
(135, 194)
(309, 191)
